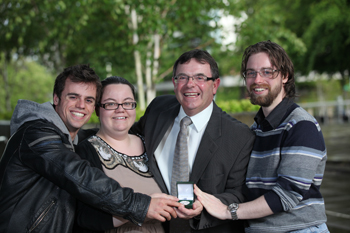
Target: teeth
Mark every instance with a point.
(120, 118)
(191, 94)
(259, 89)
(78, 114)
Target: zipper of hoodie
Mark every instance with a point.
(41, 216)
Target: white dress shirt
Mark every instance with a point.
(164, 153)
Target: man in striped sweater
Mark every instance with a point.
(288, 160)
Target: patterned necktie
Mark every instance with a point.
(180, 170)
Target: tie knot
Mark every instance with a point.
(186, 121)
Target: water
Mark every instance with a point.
(335, 190)
(336, 184)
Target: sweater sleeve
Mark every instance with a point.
(301, 166)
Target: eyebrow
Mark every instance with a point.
(190, 75)
(73, 94)
(88, 97)
(111, 99)
(260, 68)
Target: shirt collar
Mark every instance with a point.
(75, 141)
(200, 120)
(276, 116)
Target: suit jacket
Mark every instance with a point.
(221, 161)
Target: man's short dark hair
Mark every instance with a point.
(201, 56)
(278, 58)
(78, 74)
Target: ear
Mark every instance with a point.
(174, 83)
(56, 100)
(216, 84)
(285, 79)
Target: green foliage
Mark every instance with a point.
(237, 106)
(94, 119)
(228, 93)
(26, 80)
(311, 91)
(269, 20)
(314, 33)
(32, 82)
(139, 113)
(64, 33)
(328, 36)
(6, 115)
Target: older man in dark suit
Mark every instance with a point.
(218, 146)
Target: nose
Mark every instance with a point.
(190, 81)
(120, 108)
(80, 103)
(258, 78)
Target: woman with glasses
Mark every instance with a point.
(120, 155)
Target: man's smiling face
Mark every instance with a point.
(265, 92)
(76, 104)
(195, 97)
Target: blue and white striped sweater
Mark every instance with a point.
(287, 166)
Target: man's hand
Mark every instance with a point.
(212, 204)
(257, 208)
(161, 207)
(183, 212)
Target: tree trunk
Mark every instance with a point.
(152, 72)
(138, 67)
(343, 82)
(140, 90)
(149, 72)
(156, 56)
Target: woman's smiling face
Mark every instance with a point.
(118, 120)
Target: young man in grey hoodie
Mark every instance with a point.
(41, 176)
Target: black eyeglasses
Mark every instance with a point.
(114, 106)
(197, 78)
(265, 73)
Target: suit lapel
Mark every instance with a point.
(162, 124)
(208, 146)
(164, 121)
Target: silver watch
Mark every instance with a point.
(233, 210)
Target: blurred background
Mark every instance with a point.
(140, 41)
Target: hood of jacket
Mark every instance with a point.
(27, 110)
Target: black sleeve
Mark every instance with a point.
(89, 219)
(46, 150)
